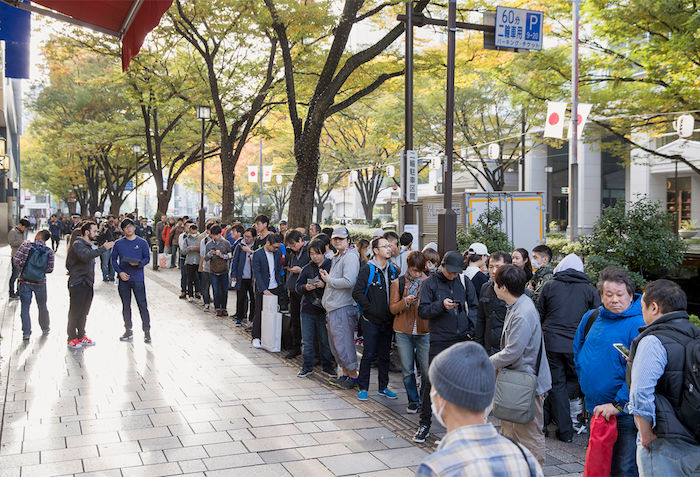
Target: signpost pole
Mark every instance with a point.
(573, 144)
(407, 217)
(447, 218)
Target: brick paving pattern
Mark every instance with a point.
(199, 400)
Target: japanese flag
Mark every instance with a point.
(267, 173)
(554, 126)
(583, 110)
(253, 174)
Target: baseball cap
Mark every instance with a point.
(478, 249)
(453, 262)
(340, 232)
(125, 223)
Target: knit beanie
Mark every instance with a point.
(463, 375)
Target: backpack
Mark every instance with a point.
(35, 267)
(589, 324)
(689, 413)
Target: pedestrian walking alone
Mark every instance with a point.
(15, 238)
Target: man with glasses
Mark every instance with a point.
(340, 306)
(267, 269)
(492, 310)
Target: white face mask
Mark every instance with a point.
(535, 264)
(437, 413)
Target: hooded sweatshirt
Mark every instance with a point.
(341, 280)
(192, 256)
(600, 367)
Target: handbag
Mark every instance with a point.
(218, 265)
(514, 397)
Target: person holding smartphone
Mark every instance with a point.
(412, 332)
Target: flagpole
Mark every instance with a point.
(573, 144)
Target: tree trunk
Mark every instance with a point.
(228, 166)
(319, 212)
(72, 206)
(115, 204)
(369, 212)
(164, 196)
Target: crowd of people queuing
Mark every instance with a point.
(456, 322)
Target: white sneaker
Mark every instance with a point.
(189, 298)
(206, 307)
(256, 343)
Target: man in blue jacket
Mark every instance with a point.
(129, 256)
(601, 368)
(242, 276)
(267, 270)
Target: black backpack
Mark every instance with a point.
(689, 413)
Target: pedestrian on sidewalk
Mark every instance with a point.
(313, 317)
(371, 293)
(204, 268)
(80, 263)
(129, 257)
(242, 277)
(34, 261)
(160, 226)
(295, 262)
(448, 301)
(190, 247)
(106, 233)
(659, 371)
(492, 310)
(218, 253)
(522, 349)
(262, 227)
(463, 387)
(562, 303)
(56, 229)
(15, 238)
(541, 260)
(340, 306)
(412, 332)
(267, 270)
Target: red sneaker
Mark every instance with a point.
(87, 341)
(75, 344)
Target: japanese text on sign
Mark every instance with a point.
(411, 176)
(518, 28)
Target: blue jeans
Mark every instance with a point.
(668, 457)
(139, 289)
(377, 345)
(625, 448)
(314, 326)
(13, 277)
(106, 265)
(183, 275)
(413, 348)
(25, 297)
(219, 285)
(204, 286)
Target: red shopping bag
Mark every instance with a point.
(600, 447)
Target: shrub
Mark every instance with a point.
(376, 223)
(695, 320)
(639, 239)
(487, 231)
(357, 234)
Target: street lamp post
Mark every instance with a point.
(203, 113)
(137, 151)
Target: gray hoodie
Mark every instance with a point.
(520, 343)
(341, 280)
(192, 256)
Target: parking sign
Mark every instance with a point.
(518, 28)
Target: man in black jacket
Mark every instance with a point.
(80, 263)
(448, 301)
(371, 293)
(561, 304)
(297, 260)
(492, 310)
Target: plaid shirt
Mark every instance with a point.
(22, 254)
(479, 451)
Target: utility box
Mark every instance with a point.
(524, 214)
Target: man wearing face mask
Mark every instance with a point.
(463, 382)
(448, 301)
(541, 260)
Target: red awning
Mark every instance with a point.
(128, 20)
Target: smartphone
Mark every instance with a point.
(622, 349)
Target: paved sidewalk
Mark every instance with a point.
(199, 400)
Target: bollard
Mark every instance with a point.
(154, 249)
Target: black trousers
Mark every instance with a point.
(80, 301)
(192, 278)
(426, 413)
(564, 384)
(295, 312)
(245, 291)
(55, 241)
(257, 321)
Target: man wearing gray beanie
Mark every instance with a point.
(463, 381)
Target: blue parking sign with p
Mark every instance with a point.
(532, 26)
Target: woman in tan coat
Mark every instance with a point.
(412, 339)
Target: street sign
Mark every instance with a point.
(518, 28)
(129, 186)
(411, 176)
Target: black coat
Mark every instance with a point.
(562, 303)
(296, 260)
(308, 298)
(479, 280)
(489, 319)
(448, 326)
(375, 303)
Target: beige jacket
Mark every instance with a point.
(16, 238)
